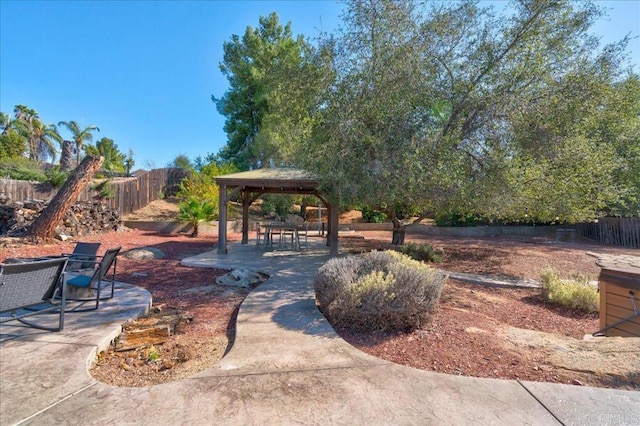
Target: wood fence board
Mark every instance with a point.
(619, 231)
(128, 197)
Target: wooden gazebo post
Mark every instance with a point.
(246, 202)
(334, 219)
(222, 220)
(254, 183)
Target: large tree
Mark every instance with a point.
(79, 135)
(274, 80)
(39, 137)
(43, 227)
(435, 108)
(43, 140)
(114, 159)
(12, 143)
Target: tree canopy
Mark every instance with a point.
(274, 82)
(79, 135)
(114, 159)
(26, 138)
(27, 135)
(450, 106)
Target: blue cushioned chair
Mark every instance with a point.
(83, 257)
(91, 285)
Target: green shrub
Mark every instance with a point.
(372, 216)
(378, 291)
(195, 212)
(422, 252)
(57, 177)
(21, 168)
(12, 144)
(104, 190)
(459, 219)
(575, 293)
(331, 278)
(279, 204)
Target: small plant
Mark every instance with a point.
(421, 252)
(378, 291)
(195, 212)
(574, 293)
(104, 190)
(57, 177)
(152, 354)
(372, 216)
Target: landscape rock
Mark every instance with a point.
(240, 278)
(82, 218)
(144, 253)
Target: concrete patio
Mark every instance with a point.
(287, 366)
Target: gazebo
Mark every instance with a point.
(249, 186)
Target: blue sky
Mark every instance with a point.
(144, 71)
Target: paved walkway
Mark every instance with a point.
(287, 366)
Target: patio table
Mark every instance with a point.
(283, 230)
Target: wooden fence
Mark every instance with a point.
(129, 195)
(615, 231)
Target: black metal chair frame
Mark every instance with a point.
(84, 255)
(99, 279)
(29, 288)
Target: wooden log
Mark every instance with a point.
(43, 227)
(137, 338)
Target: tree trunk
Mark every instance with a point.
(303, 210)
(44, 225)
(399, 230)
(66, 156)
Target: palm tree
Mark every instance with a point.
(66, 155)
(196, 212)
(39, 136)
(5, 123)
(23, 124)
(79, 135)
(25, 113)
(41, 140)
(113, 158)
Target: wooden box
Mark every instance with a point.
(619, 292)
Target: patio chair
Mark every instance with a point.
(83, 257)
(303, 231)
(261, 236)
(289, 235)
(28, 288)
(86, 288)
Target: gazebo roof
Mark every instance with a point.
(271, 180)
(252, 184)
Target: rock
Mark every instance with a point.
(62, 237)
(83, 218)
(240, 278)
(144, 253)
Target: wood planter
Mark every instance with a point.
(620, 301)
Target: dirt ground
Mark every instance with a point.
(476, 331)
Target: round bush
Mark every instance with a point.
(378, 291)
